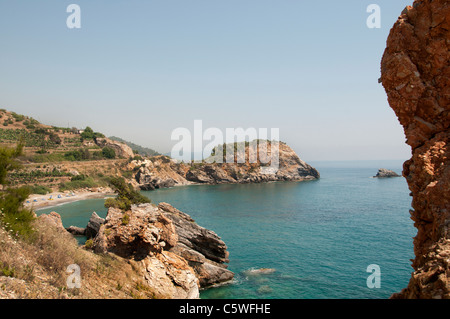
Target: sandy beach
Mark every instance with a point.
(57, 198)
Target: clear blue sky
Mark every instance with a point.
(139, 69)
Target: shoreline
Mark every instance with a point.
(38, 202)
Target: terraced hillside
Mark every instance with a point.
(59, 159)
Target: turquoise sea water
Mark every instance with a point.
(319, 236)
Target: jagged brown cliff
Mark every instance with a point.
(416, 76)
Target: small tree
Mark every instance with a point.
(13, 216)
(108, 152)
(55, 138)
(88, 133)
(8, 161)
(126, 195)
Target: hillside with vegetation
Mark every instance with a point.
(36, 252)
(62, 159)
(139, 251)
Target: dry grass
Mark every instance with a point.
(37, 268)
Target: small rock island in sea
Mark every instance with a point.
(382, 172)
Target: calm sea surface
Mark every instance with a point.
(319, 236)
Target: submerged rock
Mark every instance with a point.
(259, 271)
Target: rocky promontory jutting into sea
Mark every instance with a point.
(177, 256)
(162, 171)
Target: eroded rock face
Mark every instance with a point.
(136, 233)
(178, 255)
(203, 249)
(93, 226)
(121, 149)
(416, 76)
(53, 219)
(145, 234)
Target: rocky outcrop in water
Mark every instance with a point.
(91, 229)
(416, 76)
(178, 256)
(93, 226)
(382, 172)
(161, 171)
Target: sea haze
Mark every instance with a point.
(318, 236)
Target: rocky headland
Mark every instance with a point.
(161, 171)
(415, 73)
(178, 256)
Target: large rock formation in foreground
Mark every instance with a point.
(177, 255)
(416, 76)
(161, 171)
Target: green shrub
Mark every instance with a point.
(37, 138)
(14, 218)
(7, 271)
(127, 174)
(45, 158)
(78, 155)
(89, 134)
(55, 138)
(80, 177)
(89, 244)
(8, 161)
(108, 152)
(125, 219)
(76, 184)
(97, 155)
(17, 117)
(126, 197)
(40, 189)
